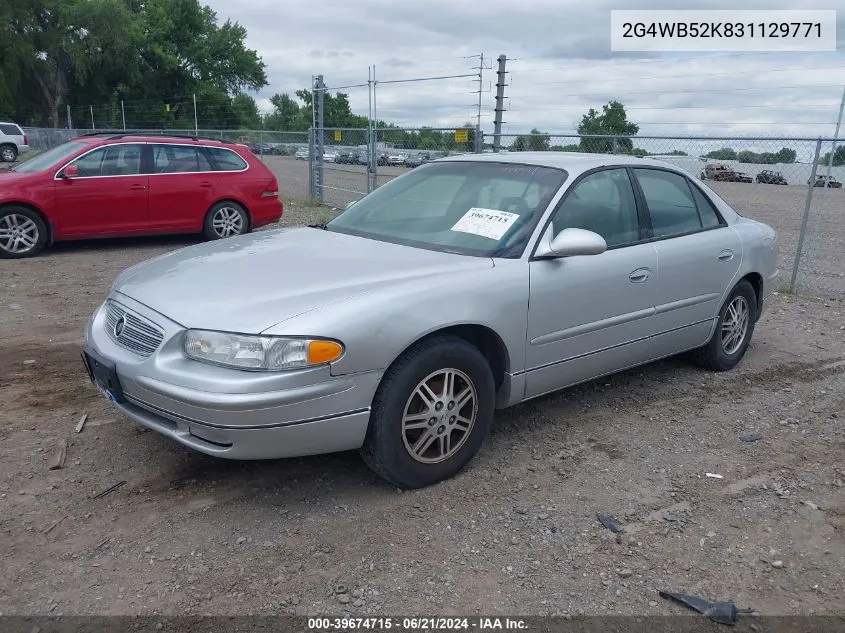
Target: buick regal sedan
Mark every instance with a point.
(467, 285)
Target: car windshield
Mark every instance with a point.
(474, 208)
(47, 159)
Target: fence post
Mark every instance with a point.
(318, 97)
(810, 186)
(312, 176)
(615, 145)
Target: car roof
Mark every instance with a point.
(570, 161)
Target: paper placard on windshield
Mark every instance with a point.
(490, 223)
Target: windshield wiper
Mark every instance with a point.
(324, 227)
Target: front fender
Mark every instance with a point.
(377, 326)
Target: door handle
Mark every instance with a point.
(640, 275)
(726, 255)
(138, 187)
(205, 183)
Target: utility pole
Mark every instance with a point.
(123, 114)
(479, 147)
(93, 128)
(500, 103)
(69, 122)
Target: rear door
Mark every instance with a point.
(181, 187)
(107, 197)
(698, 255)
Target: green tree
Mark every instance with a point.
(838, 157)
(612, 121)
(725, 153)
(246, 112)
(534, 141)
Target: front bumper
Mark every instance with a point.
(231, 413)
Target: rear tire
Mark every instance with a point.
(23, 232)
(733, 332)
(225, 219)
(431, 413)
(8, 153)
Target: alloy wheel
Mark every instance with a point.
(227, 221)
(735, 325)
(439, 416)
(18, 233)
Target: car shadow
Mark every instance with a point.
(121, 243)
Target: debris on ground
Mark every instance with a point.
(58, 456)
(609, 522)
(751, 437)
(107, 491)
(81, 422)
(714, 475)
(55, 524)
(721, 612)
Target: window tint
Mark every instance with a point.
(670, 202)
(709, 216)
(226, 159)
(604, 203)
(174, 159)
(11, 130)
(426, 199)
(115, 160)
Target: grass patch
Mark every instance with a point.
(306, 202)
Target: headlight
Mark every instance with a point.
(260, 353)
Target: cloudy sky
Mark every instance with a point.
(560, 64)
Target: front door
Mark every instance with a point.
(108, 196)
(699, 256)
(591, 315)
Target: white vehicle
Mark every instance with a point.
(301, 154)
(13, 141)
(329, 156)
(396, 159)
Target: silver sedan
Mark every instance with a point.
(469, 284)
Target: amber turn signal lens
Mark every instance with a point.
(320, 352)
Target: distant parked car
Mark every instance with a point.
(106, 184)
(716, 172)
(345, 157)
(832, 183)
(301, 154)
(769, 177)
(13, 141)
(396, 159)
(740, 176)
(329, 156)
(415, 160)
(381, 161)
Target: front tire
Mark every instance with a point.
(733, 332)
(22, 232)
(225, 219)
(8, 153)
(431, 413)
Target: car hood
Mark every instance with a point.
(250, 283)
(9, 178)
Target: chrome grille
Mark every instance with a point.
(138, 335)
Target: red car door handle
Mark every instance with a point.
(138, 187)
(205, 183)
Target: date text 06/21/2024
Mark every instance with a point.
(416, 624)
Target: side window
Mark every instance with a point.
(604, 203)
(114, 160)
(226, 159)
(670, 203)
(174, 159)
(10, 130)
(709, 216)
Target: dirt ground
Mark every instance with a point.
(515, 533)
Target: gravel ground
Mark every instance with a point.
(516, 532)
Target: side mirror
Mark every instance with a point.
(571, 242)
(71, 171)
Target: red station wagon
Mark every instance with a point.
(107, 184)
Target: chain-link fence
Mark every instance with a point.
(779, 181)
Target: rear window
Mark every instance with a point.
(225, 159)
(10, 130)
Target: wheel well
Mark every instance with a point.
(34, 210)
(486, 341)
(756, 281)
